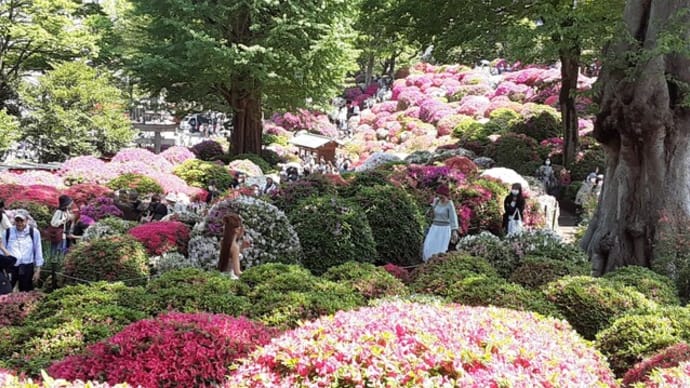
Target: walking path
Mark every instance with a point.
(567, 225)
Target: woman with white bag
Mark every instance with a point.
(444, 227)
(514, 205)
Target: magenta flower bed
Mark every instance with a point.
(100, 208)
(14, 308)
(86, 192)
(401, 344)
(163, 236)
(172, 350)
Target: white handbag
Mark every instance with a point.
(515, 226)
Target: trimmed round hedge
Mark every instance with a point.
(175, 349)
(591, 304)
(670, 357)
(141, 183)
(292, 193)
(654, 286)
(368, 280)
(111, 258)
(396, 222)
(634, 336)
(162, 236)
(535, 271)
(191, 290)
(438, 274)
(409, 344)
(482, 290)
(332, 231)
(201, 174)
(207, 150)
(516, 151)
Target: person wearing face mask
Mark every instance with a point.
(444, 225)
(547, 176)
(513, 206)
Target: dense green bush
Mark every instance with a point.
(106, 227)
(469, 129)
(112, 259)
(540, 122)
(368, 280)
(199, 173)
(484, 197)
(332, 232)
(501, 120)
(591, 304)
(291, 193)
(438, 274)
(396, 223)
(42, 214)
(193, 290)
(66, 321)
(483, 290)
(141, 183)
(492, 249)
(268, 139)
(655, 287)
(590, 161)
(633, 337)
(283, 295)
(256, 159)
(535, 271)
(516, 151)
(358, 180)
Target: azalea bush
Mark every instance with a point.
(408, 344)
(162, 236)
(257, 160)
(274, 239)
(591, 304)
(174, 349)
(111, 258)
(368, 280)
(669, 358)
(141, 183)
(637, 335)
(101, 207)
(292, 192)
(204, 251)
(85, 169)
(193, 290)
(492, 249)
(199, 173)
(15, 307)
(10, 380)
(440, 272)
(516, 151)
(539, 122)
(654, 286)
(176, 155)
(66, 321)
(207, 150)
(536, 271)
(332, 231)
(479, 206)
(396, 222)
(86, 192)
(152, 161)
(107, 227)
(40, 194)
(284, 295)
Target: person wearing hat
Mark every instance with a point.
(61, 224)
(443, 226)
(23, 243)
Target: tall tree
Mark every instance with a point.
(74, 110)
(253, 54)
(644, 125)
(33, 33)
(531, 30)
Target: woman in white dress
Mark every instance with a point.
(443, 226)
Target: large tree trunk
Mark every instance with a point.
(645, 128)
(570, 70)
(369, 71)
(246, 121)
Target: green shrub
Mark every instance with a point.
(291, 193)
(469, 129)
(535, 271)
(590, 161)
(633, 337)
(501, 120)
(490, 248)
(42, 214)
(396, 223)
(516, 151)
(439, 273)
(68, 320)
(359, 180)
(208, 150)
(141, 183)
(283, 295)
(107, 227)
(483, 290)
(199, 173)
(655, 287)
(591, 304)
(540, 122)
(193, 290)
(332, 232)
(368, 280)
(112, 259)
(256, 159)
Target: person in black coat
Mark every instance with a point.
(513, 205)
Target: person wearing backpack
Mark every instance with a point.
(24, 243)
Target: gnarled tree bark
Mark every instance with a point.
(645, 128)
(246, 121)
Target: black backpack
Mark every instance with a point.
(31, 234)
